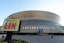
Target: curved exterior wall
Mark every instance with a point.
(32, 21)
(35, 15)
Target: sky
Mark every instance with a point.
(8, 7)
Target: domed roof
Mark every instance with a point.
(34, 14)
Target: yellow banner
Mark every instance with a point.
(11, 25)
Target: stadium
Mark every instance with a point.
(32, 21)
(34, 25)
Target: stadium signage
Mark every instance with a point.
(11, 25)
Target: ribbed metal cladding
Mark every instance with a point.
(35, 15)
(33, 20)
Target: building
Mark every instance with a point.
(36, 26)
(32, 21)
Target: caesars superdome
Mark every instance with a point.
(33, 20)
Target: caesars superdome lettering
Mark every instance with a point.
(11, 25)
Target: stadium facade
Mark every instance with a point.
(32, 21)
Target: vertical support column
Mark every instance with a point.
(8, 37)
